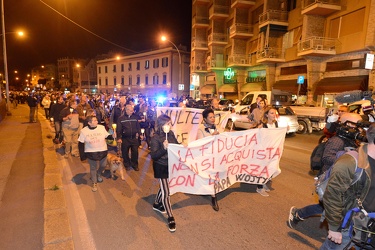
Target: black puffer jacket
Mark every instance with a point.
(158, 154)
(128, 126)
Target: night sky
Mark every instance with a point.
(134, 24)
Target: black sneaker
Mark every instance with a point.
(293, 218)
(159, 207)
(171, 224)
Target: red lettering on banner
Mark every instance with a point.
(203, 147)
(235, 142)
(252, 139)
(261, 154)
(212, 181)
(179, 167)
(207, 164)
(251, 169)
(182, 181)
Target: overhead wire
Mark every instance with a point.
(85, 29)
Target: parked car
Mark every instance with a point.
(286, 118)
(224, 104)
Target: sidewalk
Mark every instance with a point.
(57, 233)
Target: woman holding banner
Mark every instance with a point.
(208, 128)
(159, 154)
(268, 121)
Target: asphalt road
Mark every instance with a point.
(120, 216)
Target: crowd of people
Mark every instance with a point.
(84, 122)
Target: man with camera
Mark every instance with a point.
(340, 196)
(347, 136)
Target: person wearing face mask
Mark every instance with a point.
(208, 128)
(159, 155)
(92, 145)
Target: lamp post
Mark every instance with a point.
(5, 56)
(80, 77)
(163, 38)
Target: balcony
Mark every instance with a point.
(242, 3)
(320, 7)
(201, 2)
(198, 68)
(199, 45)
(213, 64)
(218, 12)
(270, 55)
(200, 22)
(273, 17)
(238, 60)
(240, 30)
(217, 38)
(317, 46)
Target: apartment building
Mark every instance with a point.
(164, 71)
(68, 73)
(311, 48)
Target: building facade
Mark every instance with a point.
(159, 72)
(244, 45)
(68, 73)
(43, 77)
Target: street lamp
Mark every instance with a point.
(163, 38)
(88, 77)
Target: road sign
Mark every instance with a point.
(300, 80)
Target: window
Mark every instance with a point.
(122, 80)
(106, 81)
(122, 67)
(130, 80)
(138, 65)
(114, 80)
(155, 63)
(100, 70)
(147, 64)
(138, 80)
(181, 87)
(155, 80)
(164, 62)
(114, 68)
(164, 78)
(100, 81)
(130, 67)
(146, 79)
(348, 24)
(105, 69)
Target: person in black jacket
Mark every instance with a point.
(128, 131)
(32, 101)
(55, 116)
(159, 155)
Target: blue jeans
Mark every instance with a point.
(310, 210)
(330, 245)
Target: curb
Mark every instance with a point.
(57, 230)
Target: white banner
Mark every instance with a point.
(185, 121)
(214, 163)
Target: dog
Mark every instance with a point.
(114, 163)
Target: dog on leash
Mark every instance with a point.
(114, 163)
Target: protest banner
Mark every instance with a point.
(185, 121)
(214, 163)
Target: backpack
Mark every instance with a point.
(361, 227)
(316, 156)
(322, 180)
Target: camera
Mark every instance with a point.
(356, 132)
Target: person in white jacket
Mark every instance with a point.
(46, 102)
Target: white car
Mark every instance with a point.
(286, 118)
